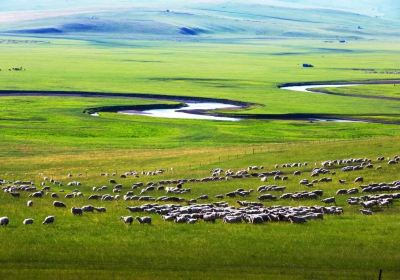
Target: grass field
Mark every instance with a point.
(51, 136)
(376, 91)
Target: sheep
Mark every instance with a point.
(266, 197)
(231, 194)
(76, 211)
(264, 179)
(181, 219)
(204, 196)
(232, 219)
(144, 220)
(48, 220)
(210, 217)
(29, 203)
(134, 208)
(304, 182)
(385, 202)
(70, 195)
(353, 201)
(297, 220)
(329, 200)
(100, 209)
(352, 191)
(255, 219)
(38, 194)
(366, 212)
(341, 191)
(28, 221)
(4, 221)
(87, 208)
(359, 179)
(59, 204)
(127, 219)
(168, 218)
(78, 194)
(369, 204)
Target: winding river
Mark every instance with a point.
(308, 88)
(188, 111)
(199, 110)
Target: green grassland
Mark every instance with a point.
(371, 91)
(51, 136)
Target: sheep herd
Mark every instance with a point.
(176, 205)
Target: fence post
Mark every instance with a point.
(380, 274)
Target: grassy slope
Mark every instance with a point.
(53, 136)
(339, 247)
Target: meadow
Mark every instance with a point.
(51, 136)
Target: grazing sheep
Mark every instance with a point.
(210, 217)
(28, 221)
(341, 191)
(76, 211)
(232, 219)
(353, 191)
(4, 221)
(264, 179)
(369, 204)
(59, 204)
(168, 218)
(48, 220)
(297, 220)
(127, 219)
(181, 219)
(94, 197)
(359, 179)
(100, 209)
(87, 208)
(37, 194)
(231, 194)
(144, 220)
(304, 182)
(366, 212)
(329, 200)
(134, 208)
(29, 203)
(267, 197)
(204, 196)
(254, 219)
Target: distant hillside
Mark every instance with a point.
(337, 19)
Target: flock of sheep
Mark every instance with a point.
(173, 206)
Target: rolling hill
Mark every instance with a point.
(201, 19)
